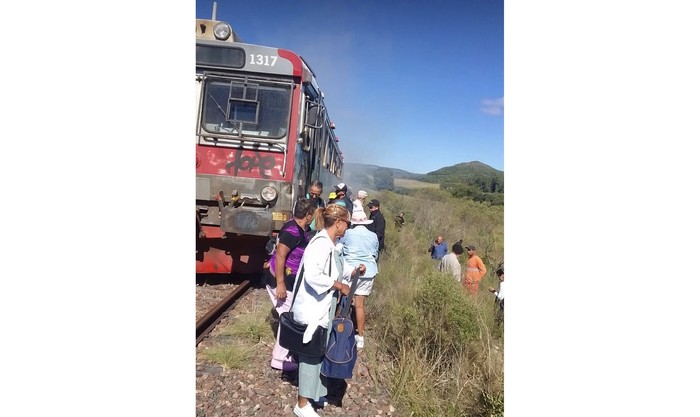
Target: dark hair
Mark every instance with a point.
(499, 272)
(303, 207)
(316, 183)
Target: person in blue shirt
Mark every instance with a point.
(438, 248)
(361, 246)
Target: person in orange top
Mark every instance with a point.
(475, 271)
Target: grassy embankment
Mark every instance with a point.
(435, 348)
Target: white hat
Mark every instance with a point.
(362, 194)
(359, 217)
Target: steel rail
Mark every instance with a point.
(207, 323)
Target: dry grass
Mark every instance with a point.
(230, 355)
(234, 343)
(437, 342)
(253, 326)
(414, 184)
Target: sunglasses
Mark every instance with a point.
(346, 222)
(314, 194)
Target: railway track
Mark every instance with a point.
(226, 301)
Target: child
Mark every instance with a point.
(499, 296)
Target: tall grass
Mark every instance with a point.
(444, 354)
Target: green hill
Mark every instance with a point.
(486, 178)
(474, 180)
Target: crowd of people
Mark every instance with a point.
(327, 242)
(474, 270)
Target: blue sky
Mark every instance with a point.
(413, 85)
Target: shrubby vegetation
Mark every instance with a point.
(444, 353)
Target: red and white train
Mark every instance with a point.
(263, 134)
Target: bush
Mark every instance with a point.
(443, 304)
(434, 341)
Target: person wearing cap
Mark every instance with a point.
(360, 246)
(450, 262)
(358, 205)
(340, 196)
(475, 271)
(379, 225)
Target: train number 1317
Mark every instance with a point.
(267, 60)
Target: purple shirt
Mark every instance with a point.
(294, 238)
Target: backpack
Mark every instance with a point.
(341, 352)
(271, 244)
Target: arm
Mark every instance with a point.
(499, 294)
(375, 247)
(280, 259)
(481, 266)
(381, 225)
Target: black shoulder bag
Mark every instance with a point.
(291, 332)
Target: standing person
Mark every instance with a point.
(361, 246)
(450, 262)
(438, 248)
(314, 193)
(315, 303)
(341, 198)
(284, 264)
(475, 271)
(379, 225)
(499, 296)
(358, 205)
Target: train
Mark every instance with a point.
(263, 134)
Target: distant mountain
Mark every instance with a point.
(474, 179)
(468, 169)
(353, 169)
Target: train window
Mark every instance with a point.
(220, 56)
(242, 108)
(244, 111)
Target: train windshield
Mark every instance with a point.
(246, 107)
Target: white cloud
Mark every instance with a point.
(493, 107)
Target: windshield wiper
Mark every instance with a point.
(225, 116)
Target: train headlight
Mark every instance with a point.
(222, 31)
(268, 193)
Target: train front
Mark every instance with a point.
(248, 103)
